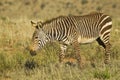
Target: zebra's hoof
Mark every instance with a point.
(107, 62)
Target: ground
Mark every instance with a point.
(15, 36)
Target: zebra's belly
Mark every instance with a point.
(85, 40)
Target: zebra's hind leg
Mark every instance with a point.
(107, 46)
(107, 53)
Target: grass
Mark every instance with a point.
(15, 37)
(17, 64)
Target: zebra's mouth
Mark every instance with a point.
(33, 53)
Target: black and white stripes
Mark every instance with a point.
(70, 29)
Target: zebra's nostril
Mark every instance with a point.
(33, 53)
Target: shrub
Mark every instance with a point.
(84, 2)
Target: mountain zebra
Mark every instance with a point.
(73, 30)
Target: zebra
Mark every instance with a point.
(73, 30)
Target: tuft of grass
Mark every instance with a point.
(102, 74)
(5, 63)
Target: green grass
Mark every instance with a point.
(102, 74)
(17, 64)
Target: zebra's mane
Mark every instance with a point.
(51, 20)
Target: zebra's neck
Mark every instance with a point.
(51, 34)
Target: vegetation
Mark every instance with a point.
(15, 36)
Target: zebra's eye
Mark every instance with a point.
(36, 37)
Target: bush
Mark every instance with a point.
(84, 2)
(99, 8)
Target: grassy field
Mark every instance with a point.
(15, 37)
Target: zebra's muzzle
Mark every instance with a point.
(33, 53)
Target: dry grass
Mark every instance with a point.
(16, 32)
(17, 64)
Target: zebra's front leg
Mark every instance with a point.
(77, 53)
(62, 53)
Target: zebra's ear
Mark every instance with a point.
(33, 24)
(40, 24)
(37, 25)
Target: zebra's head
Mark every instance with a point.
(39, 37)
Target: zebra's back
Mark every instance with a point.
(83, 28)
